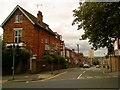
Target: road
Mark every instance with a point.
(73, 78)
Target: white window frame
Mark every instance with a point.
(46, 41)
(17, 29)
(19, 18)
(47, 47)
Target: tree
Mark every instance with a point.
(95, 61)
(54, 58)
(100, 22)
(21, 55)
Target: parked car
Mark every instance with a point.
(97, 66)
(86, 66)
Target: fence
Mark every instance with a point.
(115, 63)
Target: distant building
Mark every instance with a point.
(91, 53)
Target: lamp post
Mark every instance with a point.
(52, 66)
(58, 65)
(13, 47)
(110, 52)
(52, 50)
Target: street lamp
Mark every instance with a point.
(13, 73)
(110, 51)
(52, 51)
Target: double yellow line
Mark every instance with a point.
(54, 76)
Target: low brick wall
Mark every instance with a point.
(40, 66)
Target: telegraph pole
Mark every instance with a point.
(78, 48)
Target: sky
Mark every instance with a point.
(58, 15)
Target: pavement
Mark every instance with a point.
(26, 77)
(109, 72)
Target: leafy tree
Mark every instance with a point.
(54, 58)
(48, 58)
(106, 56)
(100, 22)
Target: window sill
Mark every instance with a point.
(17, 22)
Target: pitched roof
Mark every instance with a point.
(30, 17)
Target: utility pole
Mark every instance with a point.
(110, 63)
(110, 52)
(78, 52)
(52, 51)
(78, 48)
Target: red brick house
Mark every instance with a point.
(22, 28)
(71, 57)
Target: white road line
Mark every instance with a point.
(89, 77)
(80, 75)
(103, 72)
(84, 72)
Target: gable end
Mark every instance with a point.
(17, 7)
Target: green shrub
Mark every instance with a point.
(54, 58)
(95, 62)
(48, 58)
(7, 58)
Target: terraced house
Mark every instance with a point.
(24, 29)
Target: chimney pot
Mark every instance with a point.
(40, 17)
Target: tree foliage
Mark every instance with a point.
(95, 61)
(100, 22)
(54, 58)
(7, 58)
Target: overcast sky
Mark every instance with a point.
(58, 15)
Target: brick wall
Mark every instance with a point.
(43, 35)
(41, 66)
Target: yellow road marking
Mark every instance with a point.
(54, 76)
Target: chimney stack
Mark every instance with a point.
(40, 18)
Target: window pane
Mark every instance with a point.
(15, 33)
(46, 41)
(18, 36)
(15, 39)
(20, 39)
(21, 18)
(20, 33)
(16, 18)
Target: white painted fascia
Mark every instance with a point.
(26, 15)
